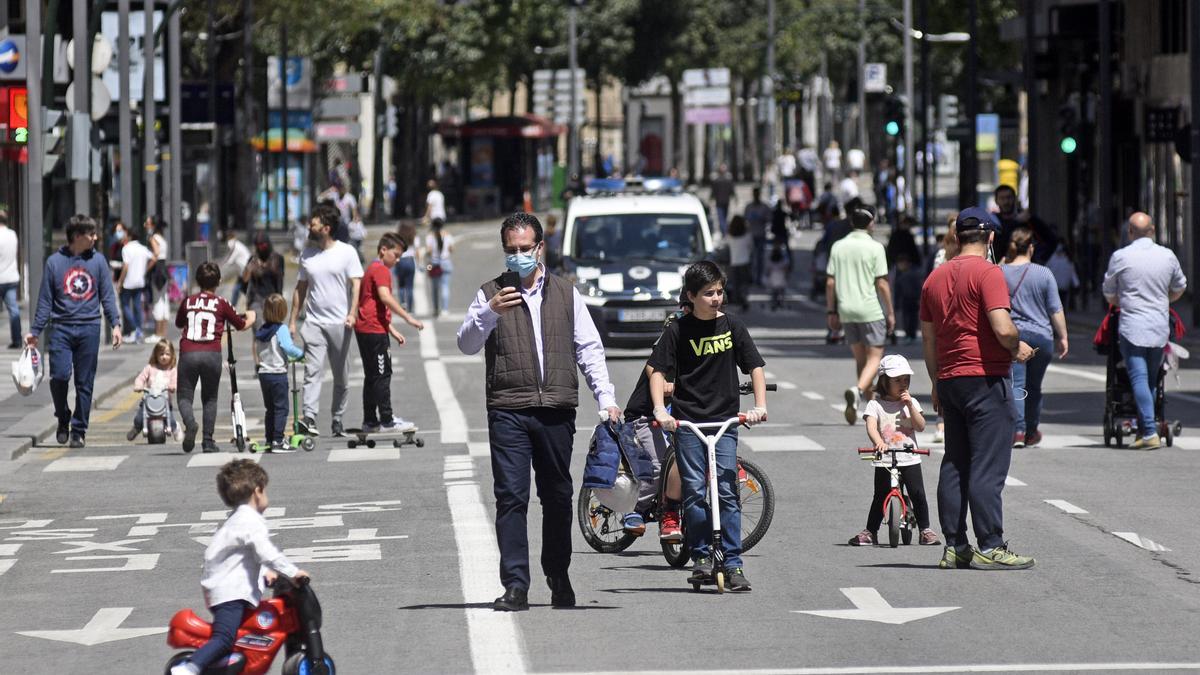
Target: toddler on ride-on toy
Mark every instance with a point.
(234, 561)
(157, 383)
(892, 419)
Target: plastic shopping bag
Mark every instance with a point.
(27, 371)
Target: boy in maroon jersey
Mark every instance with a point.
(202, 319)
(372, 330)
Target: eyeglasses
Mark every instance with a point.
(508, 250)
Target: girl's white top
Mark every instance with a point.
(895, 428)
(234, 561)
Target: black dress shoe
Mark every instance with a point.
(62, 433)
(561, 593)
(514, 600)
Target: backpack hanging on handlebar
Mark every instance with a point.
(612, 453)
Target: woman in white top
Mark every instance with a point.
(439, 245)
(158, 281)
(741, 247)
(136, 260)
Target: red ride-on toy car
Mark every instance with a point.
(291, 619)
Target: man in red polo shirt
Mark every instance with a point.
(970, 343)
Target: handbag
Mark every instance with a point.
(434, 271)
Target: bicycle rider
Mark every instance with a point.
(705, 349)
(893, 419)
(639, 411)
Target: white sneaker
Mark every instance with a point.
(853, 396)
(178, 435)
(152, 339)
(186, 668)
(939, 436)
(401, 425)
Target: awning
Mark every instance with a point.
(519, 126)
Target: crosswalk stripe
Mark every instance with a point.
(1064, 505)
(1140, 542)
(108, 463)
(363, 454)
(782, 444)
(1014, 482)
(812, 396)
(210, 459)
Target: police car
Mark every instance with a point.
(626, 245)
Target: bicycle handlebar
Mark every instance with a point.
(740, 419)
(912, 450)
(746, 388)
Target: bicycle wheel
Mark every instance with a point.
(893, 522)
(757, 498)
(603, 529)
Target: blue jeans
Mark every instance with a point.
(405, 271)
(692, 455)
(74, 347)
(723, 219)
(440, 290)
(14, 312)
(1140, 363)
(275, 398)
(131, 309)
(227, 616)
(1028, 376)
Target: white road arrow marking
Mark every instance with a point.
(870, 606)
(1064, 506)
(105, 626)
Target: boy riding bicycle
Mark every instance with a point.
(705, 349)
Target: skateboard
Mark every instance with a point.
(399, 438)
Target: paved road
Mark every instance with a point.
(401, 549)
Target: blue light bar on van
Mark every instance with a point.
(634, 185)
(662, 184)
(605, 185)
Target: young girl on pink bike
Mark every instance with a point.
(893, 419)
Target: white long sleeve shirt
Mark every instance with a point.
(234, 560)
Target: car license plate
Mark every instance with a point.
(631, 315)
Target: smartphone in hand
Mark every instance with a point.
(510, 279)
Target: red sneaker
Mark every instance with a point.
(1033, 438)
(1019, 439)
(668, 527)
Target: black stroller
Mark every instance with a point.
(1120, 408)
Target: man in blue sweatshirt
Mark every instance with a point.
(77, 281)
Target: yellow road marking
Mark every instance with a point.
(2, 498)
(122, 407)
(53, 454)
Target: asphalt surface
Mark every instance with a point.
(401, 548)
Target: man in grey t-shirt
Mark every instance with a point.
(1143, 279)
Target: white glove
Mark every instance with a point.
(756, 415)
(665, 420)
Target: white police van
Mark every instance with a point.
(625, 244)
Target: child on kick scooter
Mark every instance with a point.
(892, 418)
(705, 349)
(202, 318)
(158, 376)
(274, 345)
(372, 330)
(236, 561)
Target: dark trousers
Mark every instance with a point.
(910, 476)
(205, 368)
(74, 349)
(377, 377)
(275, 398)
(910, 318)
(405, 271)
(227, 616)
(978, 413)
(541, 437)
(758, 258)
(131, 308)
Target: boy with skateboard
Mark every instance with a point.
(202, 318)
(372, 330)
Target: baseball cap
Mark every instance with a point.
(894, 365)
(975, 218)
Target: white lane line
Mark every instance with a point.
(1064, 505)
(429, 344)
(421, 304)
(496, 645)
(840, 407)
(1187, 442)
(786, 386)
(479, 449)
(960, 668)
(812, 396)
(1013, 482)
(6, 565)
(1140, 542)
(782, 444)
(463, 358)
(109, 463)
(450, 413)
(1066, 441)
(208, 459)
(363, 454)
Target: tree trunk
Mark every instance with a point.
(598, 154)
(751, 140)
(245, 124)
(677, 127)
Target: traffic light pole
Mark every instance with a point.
(33, 243)
(910, 155)
(573, 150)
(1194, 73)
(379, 114)
(83, 104)
(124, 117)
(926, 98)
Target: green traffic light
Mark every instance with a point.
(1068, 145)
(893, 128)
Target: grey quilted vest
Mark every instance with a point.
(513, 381)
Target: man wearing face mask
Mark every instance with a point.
(970, 343)
(531, 401)
(327, 289)
(263, 275)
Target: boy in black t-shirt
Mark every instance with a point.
(706, 349)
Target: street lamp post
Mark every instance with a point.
(910, 157)
(573, 150)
